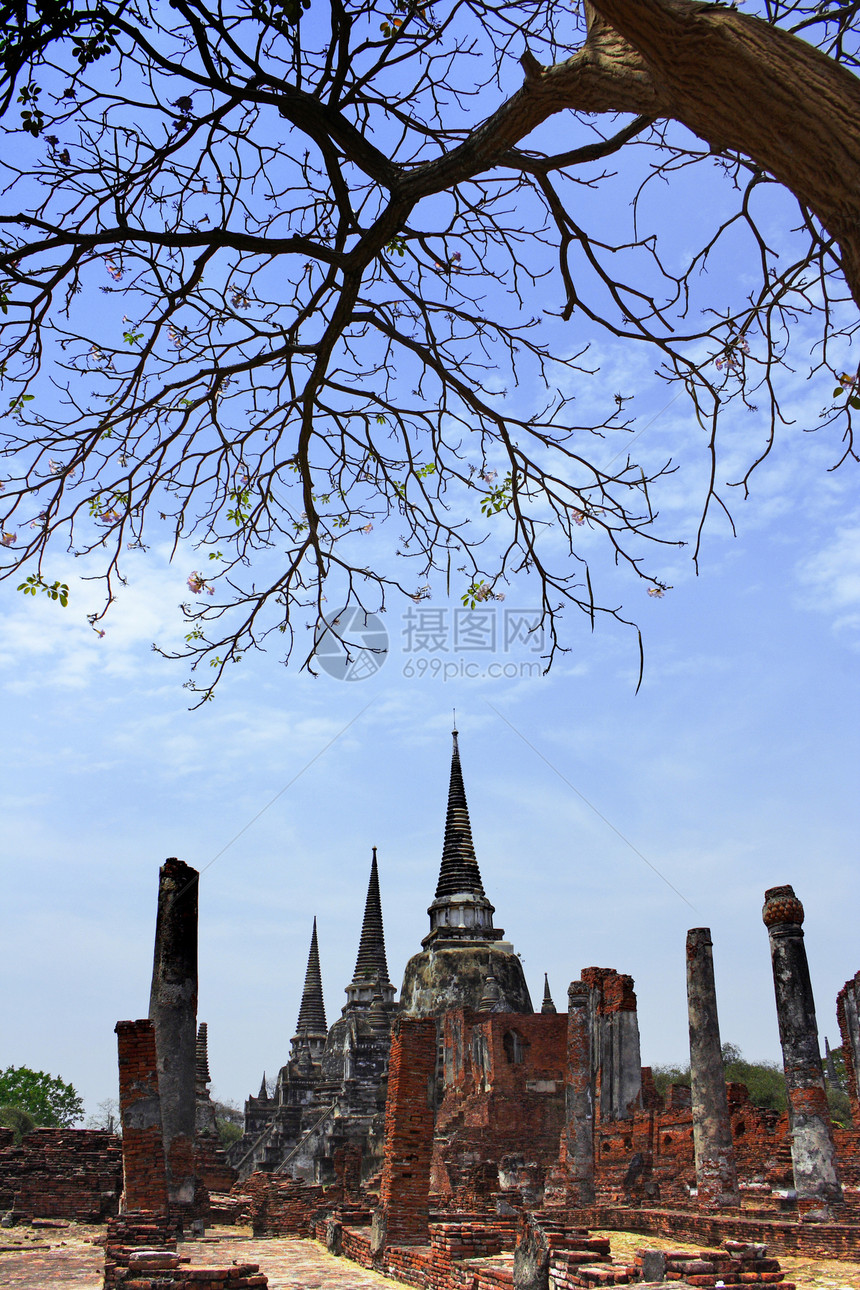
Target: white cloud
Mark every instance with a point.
(830, 579)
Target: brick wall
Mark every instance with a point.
(502, 1112)
(144, 1176)
(409, 1122)
(62, 1173)
(847, 1006)
(211, 1166)
(813, 1240)
(281, 1206)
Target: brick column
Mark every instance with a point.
(813, 1155)
(577, 1143)
(143, 1172)
(173, 1012)
(848, 1016)
(716, 1171)
(403, 1216)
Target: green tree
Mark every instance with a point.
(275, 273)
(229, 1121)
(21, 1122)
(840, 1106)
(765, 1082)
(51, 1102)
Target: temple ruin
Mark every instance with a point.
(431, 1136)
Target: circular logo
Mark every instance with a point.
(351, 644)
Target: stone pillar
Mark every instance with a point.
(848, 1016)
(813, 1155)
(144, 1178)
(173, 1012)
(403, 1215)
(577, 1143)
(615, 1058)
(716, 1172)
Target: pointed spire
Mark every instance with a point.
(312, 1011)
(459, 870)
(371, 967)
(547, 1005)
(371, 964)
(263, 1095)
(202, 1073)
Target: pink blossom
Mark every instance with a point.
(578, 517)
(656, 591)
(368, 528)
(9, 539)
(198, 584)
(112, 269)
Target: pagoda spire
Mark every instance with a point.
(460, 910)
(371, 962)
(459, 870)
(547, 1006)
(371, 966)
(311, 1025)
(263, 1095)
(202, 1055)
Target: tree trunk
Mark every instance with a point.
(743, 85)
(738, 83)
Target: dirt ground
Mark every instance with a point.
(70, 1258)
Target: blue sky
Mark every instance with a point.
(606, 822)
(732, 770)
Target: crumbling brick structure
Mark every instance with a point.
(404, 1208)
(281, 1206)
(848, 1016)
(502, 1108)
(143, 1167)
(61, 1173)
(140, 1254)
(615, 1062)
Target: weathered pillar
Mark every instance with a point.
(577, 1143)
(403, 1214)
(615, 1058)
(144, 1180)
(813, 1155)
(848, 1016)
(173, 1012)
(716, 1171)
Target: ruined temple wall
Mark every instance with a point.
(62, 1173)
(651, 1156)
(503, 1103)
(848, 1016)
(615, 1057)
